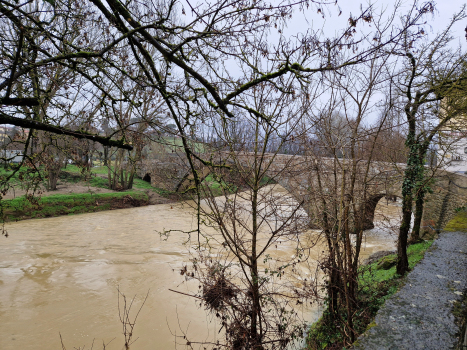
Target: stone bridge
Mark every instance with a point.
(314, 180)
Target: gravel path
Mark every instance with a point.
(419, 315)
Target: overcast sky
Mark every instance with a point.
(333, 23)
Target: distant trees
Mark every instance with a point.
(389, 144)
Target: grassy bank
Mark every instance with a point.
(22, 208)
(98, 178)
(377, 282)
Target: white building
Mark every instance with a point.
(452, 147)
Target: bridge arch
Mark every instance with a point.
(370, 207)
(147, 177)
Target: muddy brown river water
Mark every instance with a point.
(60, 276)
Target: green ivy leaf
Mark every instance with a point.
(51, 2)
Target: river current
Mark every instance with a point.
(59, 278)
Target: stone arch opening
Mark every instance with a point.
(147, 177)
(370, 207)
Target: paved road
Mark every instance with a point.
(419, 315)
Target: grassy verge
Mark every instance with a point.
(24, 178)
(55, 205)
(220, 187)
(378, 281)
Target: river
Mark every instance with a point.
(59, 276)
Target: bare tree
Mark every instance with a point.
(39, 40)
(242, 285)
(432, 72)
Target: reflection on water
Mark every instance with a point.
(61, 275)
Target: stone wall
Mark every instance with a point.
(165, 171)
(449, 194)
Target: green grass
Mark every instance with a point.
(60, 204)
(143, 185)
(372, 275)
(218, 187)
(22, 177)
(71, 168)
(100, 182)
(376, 285)
(101, 170)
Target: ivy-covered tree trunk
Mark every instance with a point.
(420, 199)
(411, 175)
(402, 260)
(413, 181)
(421, 190)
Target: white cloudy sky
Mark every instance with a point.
(332, 23)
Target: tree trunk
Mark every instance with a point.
(402, 260)
(255, 330)
(106, 156)
(420, 194)
(53, 174)
(411, 175)
(420, 197)
(130, 179)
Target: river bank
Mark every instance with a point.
(79, 192)
(75, 194)
(24, 207)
